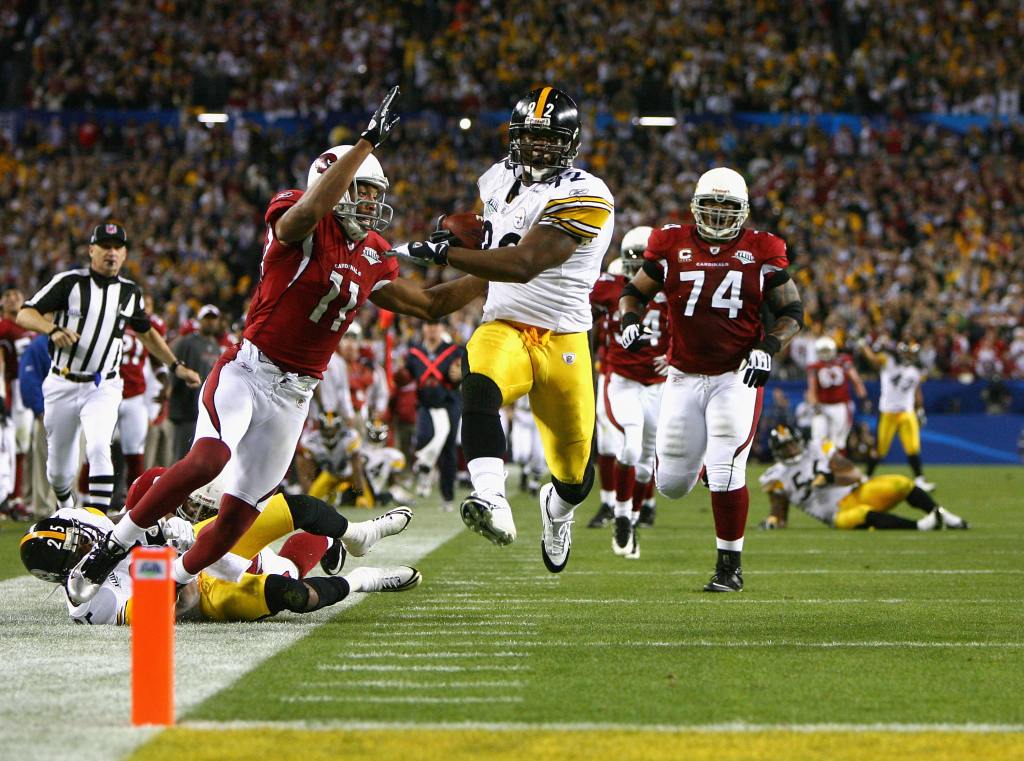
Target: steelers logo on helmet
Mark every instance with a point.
(720, 204)
(362, 208)
(631, 251)
(785, 444)
(544, 134)
(53, 546)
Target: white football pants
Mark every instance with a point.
(633, 409)
(609, 437)
(832, 422)
(133, 423)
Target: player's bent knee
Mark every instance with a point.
(851, 518)
(725, 478)
(480, 394)
(644, 473)
(676, 484)
(631, 448)
(574, 494)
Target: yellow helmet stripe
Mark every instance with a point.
(538, 112)
(43, 535)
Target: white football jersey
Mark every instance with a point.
(334, 458)
(793, 479)
(574, 201)
(378, 465)
(899, 386)
(110, 605)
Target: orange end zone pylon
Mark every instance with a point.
(152, 620)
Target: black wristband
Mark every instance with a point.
(56, 329)
(175, 365)
(629, 318)
(770, 344)
(631, 290)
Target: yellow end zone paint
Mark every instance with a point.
(477, 745)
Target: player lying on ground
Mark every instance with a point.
(249, 583)
(827, 486)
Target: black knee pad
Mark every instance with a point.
(574, 494)
(480, 394)
(283, 593)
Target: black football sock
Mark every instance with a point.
(922, 500)
(915, 464)
(886, 520)
(870, 467)
(315, 516)
(283, 593)
(330, 589)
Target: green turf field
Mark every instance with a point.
(843, 645)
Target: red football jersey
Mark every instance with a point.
(833, 379)
(639, 365)
(13, 340)
(714, 293)
(134, 357)
(604, 300)
(309, 292)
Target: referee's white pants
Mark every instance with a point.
(258, 411)
(71, 408)
(633, 409)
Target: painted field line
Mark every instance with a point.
(442, 654)
(747, 601)
(810, 645)
(476, 644)
(394, 624)
(388, 667)
(405, 684)
(434, 631)
(798, 572)
(313, 726)
(412, 699)
(50, 667)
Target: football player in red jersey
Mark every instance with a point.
(828, 392)
(632, 398)
(13, 340)
(716, 276)
(322, 260)
(133, 413)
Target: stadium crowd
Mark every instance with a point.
(832, 55)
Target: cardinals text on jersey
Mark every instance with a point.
(714, 294)
(309, 292)
(576, 202)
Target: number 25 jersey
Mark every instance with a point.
(714, 293)
(576, 202)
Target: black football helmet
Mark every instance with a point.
(544, 134)
(909, 352)
(377, 432)
(331, 426)
(786, 445)
(53, 546)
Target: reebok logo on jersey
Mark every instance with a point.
(371, 255)
(491, 207)
(744, 256)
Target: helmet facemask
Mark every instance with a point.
(358, 214)
(719, 216)
(541, 152)
(329, 425)
(377, 433)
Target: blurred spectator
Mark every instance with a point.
(200, 351)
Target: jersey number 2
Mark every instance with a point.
(331, 295)
(726, 296)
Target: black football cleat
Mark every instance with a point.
(602, 518)
(726, 580)
(647, 514)
(334, 559)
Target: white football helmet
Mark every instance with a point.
(204, 502)
(615, 267)
(356, 216)
(631, 251)
(716, 186)
(825, 348)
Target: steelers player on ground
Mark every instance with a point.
(827, 486)
(900, 405)
(251, 582)
(548, 225)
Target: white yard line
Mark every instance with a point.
(328, 726)
(66, 688)
(398, 699)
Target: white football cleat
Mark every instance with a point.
(489, 516)
(950, 520)
(920, 483)
(370, 579)
(555, 535)
(359, 538)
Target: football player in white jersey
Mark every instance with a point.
(900, 405)
(830, 488)
(548, 225)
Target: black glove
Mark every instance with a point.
(423, 253)
(441, 235)
(759, 362)
(382, 121)
(633, 335)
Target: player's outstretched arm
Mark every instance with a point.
(300, 220)
(542, 248)
(632, 305)
(409, 298)
(157, 346)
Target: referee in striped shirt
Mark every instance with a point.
(84, 312)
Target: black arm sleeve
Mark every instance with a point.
(653, 271)
(775, 279)
(631, 290)
(794, 309)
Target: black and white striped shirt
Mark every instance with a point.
(96, 307)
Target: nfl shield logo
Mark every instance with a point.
(111, 229)
(569, 357)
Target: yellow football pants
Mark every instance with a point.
(881, 493)
(903, 423)
(555, 370)
(244, 600)
(324, 485)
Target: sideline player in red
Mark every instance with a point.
(631, 395)
(322, 260)
(716, 276)
(828, 392)
(13, 341)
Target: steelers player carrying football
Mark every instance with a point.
(548, 225)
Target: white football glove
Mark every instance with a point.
(661, 365)
(178, 533)
(759, 368)
(633, 336)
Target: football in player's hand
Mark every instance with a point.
(467, 227)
